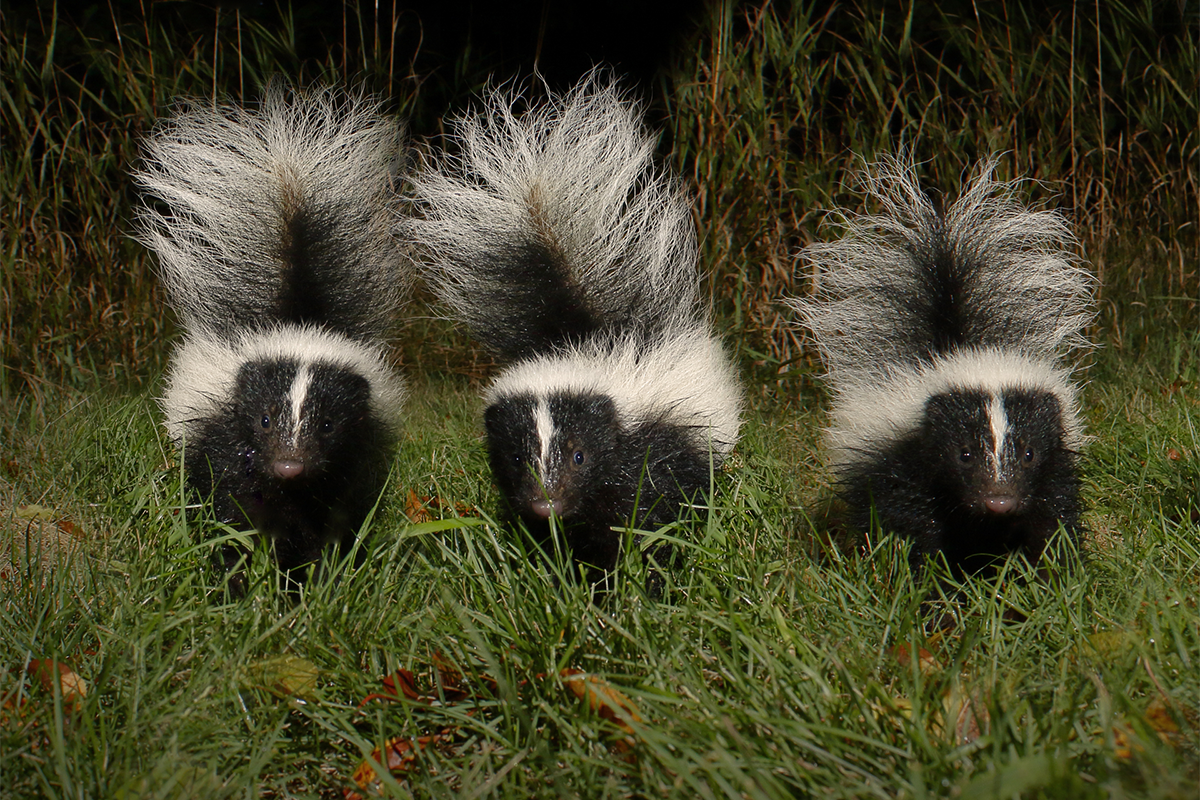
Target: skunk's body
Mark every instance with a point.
(273, 236)
(574, 261)
(954, 421)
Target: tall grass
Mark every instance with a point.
(767, 110)
(1097, 103)
(78, 299)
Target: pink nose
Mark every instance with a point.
(542, 508)
(1000, 504)
(288, 468)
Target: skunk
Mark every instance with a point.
(955, 422)
(570, 257)
(273, 232)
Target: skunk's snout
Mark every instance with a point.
(288, 468)
(1001, 504)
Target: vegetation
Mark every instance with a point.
(776, 664)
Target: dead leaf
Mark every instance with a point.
(417, 508)
(967, 712)
(284, 676)
(36, 539)
(51, 673)
(1107, 646)
(603, 699)
(1160, 720)
(33, 511)
(927, 663)
(451, 687)
(420, 508)
(398, 755)
(1124, 742)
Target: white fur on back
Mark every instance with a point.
(575, 173)
(686, 377)
(864, 422)
(204, 370)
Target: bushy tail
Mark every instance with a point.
(280, 214)
(910, 284)
(548, 226)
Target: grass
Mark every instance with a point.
(770, 669)
(775, 665)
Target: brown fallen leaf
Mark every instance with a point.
(420, 508)
(1124, 742)
(417, 508)
(398, 755)
(602, 698)
(1174, 387)
(927, 663)
(1161, 721)
(51, 673)
(966, 713)
(402, 684)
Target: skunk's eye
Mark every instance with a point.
(965, 456)
(578, 457)
(266, 421)
(326, 425)
(1029, 455)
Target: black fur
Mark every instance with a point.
(603, 476)
(563, 248)
(273, 235)
(341, 450)
(925, 315)
(543, 307)
(934, 486)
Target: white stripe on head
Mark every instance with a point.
(999, 423)
(545, 432)
(870, 415)
(684, 376)
(298, 394)
(204, 370)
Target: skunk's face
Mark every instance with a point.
(993, 450)
(298, 418)
(550, 454)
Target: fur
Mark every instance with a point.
(955, 421)
(573, 259)
(277, 214)
(272, 231)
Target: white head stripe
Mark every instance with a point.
(999, 422)
(298, 395)
(545, 432)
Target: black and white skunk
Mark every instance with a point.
(570, 257)
(954, 419)
(273, 231)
